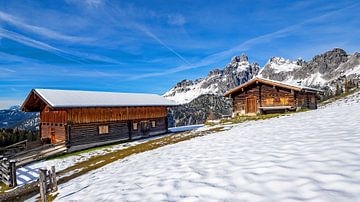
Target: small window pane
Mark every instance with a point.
(135, 126)
(153, 124)
(103, 130)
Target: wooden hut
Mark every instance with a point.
(83, 119)
(268, 96)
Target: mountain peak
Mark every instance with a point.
(242, 58)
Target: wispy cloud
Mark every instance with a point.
(176, 19)
(6, 70)
(244, 46)
(133, 24)
(41, 31)
(73, 56)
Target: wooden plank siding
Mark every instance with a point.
(160, 127)
(80, 126)
(92, 115)
(86, 133)
(270, 96)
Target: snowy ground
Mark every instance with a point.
(29, 173)
(311, 156)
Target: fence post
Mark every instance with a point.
(1, 159)
(53, 182)
(13, 179)
(42, 184)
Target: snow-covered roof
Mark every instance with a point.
(76, 98)
(273, 82)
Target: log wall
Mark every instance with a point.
(87, 133)
(272, 96)
(160, 127)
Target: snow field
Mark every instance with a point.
(311, 156)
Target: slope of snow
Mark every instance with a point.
(355, 70)
(193, 92)
(307, 156)
(315, 79)
(30, 173)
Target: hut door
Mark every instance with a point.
(145, 127)
(52, 136)
(251, 105)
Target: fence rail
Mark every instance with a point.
(8, 171)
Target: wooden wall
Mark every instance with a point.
(160, 127)
(306, 100)
(92, 115)
(87, 133)
(57, 129)
(53, 122)
(270, 96)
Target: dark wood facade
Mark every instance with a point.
(83, 127)
(265, 96)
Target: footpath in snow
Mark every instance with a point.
(310, 156)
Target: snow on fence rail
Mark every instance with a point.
(8, 172)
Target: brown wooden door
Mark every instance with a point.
(251, 105)
(52, 136)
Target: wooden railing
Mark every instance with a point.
(14, 148)
(8, 172)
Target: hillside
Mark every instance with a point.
(15, 118)
(306, 156)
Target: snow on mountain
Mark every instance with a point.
(309, 156)
(218, 81)
(279, 64)
(323, 70)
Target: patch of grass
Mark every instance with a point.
(207, 123)
(241, 119)
(3, 187)
(338, 97)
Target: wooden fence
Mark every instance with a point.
(47, 182)
(14, 148)
(8, 172)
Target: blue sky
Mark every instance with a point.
(148, 46)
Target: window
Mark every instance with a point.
(153, 124)
(284, 101)
(269, 101)
(135, 126)
(103, 129)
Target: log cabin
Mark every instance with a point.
(263, 96)
(83, 119)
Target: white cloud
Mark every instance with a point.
(41, 31)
